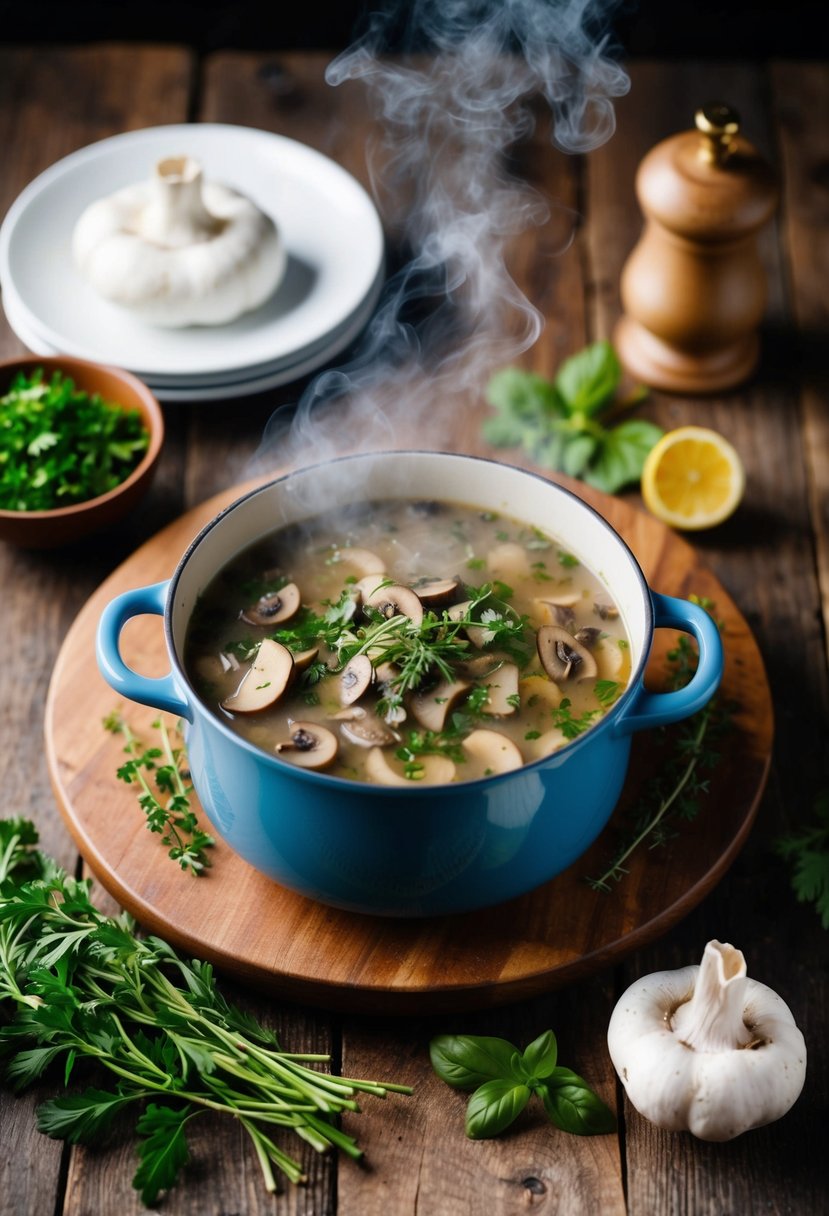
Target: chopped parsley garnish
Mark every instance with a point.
(60, 445)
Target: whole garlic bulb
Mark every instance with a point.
(707, 1050)
(176, 250)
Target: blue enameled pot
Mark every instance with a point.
(419, 851)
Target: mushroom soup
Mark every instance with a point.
(400, 641)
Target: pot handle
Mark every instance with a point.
(159, 693)
(648, 709)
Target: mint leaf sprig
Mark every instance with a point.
(503, 1080)
(173, 818)
(562, 424)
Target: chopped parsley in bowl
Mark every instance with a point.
(78, 446)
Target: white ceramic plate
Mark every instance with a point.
(244, 386)
(329, 224)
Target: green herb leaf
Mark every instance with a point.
(588, 380)
(79, 1118)
(60, 445)
(577, 453)
(523, 394)
(573, 1106)
(620, 456)
(808, 850)
(494, 1106)
(539, 1058)
(163, 1153)
(465, 1061)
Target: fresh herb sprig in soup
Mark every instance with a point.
(408, 643)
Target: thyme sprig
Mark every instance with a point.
(173, 818)
(675, 794)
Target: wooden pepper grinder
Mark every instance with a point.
(694, 289)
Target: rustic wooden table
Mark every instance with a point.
(773, 557)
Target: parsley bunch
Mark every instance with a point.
(808, 852)
(59, 445)
(561, 424)
(80, 987)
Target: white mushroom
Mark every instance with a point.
(304, 658)
(552, 740)
(309, 745)
(492, 752)
(611, 658)
(274, 608)
(264, 682)
(430, 770)
(177, 251)
(707, 1050)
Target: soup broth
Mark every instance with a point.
(407, 642)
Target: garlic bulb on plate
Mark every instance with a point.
(177, 251)
(707, 1050)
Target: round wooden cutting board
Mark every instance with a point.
(257, 931)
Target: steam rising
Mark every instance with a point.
(447, 116)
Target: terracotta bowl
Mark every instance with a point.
(64, 525)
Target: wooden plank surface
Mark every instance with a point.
(772, 557)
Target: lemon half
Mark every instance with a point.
(692, 479)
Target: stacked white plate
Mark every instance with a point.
(330, 227)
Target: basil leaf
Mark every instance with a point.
(466, 1060)
(622, 454)
(539, 1058)
(588, 380)
(523, 394)
(577, 454)
(573, 1106)
(494, 1106)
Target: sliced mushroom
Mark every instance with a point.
(350, 714)
(607, 612)
(611, 658)
(588, 635)
(362, 560)
(368, 585)
(503, 695)
(492, 752)
(478, 635)
(396, 600)
(264, 682)
(309, 746)
(369, 731)
(551, 741)
(436, 592)
(431, 708)
(562, 657)
(274, 608)
(384, 673)
(556, 613)
(304, 658)
(432, 770)
(355, 678)
(537, 690)
(508, 561)
(480, 667)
